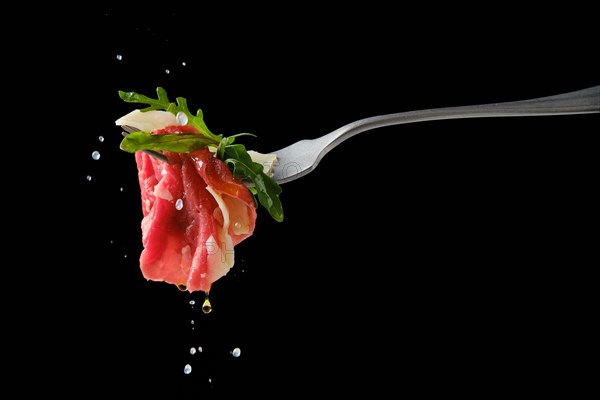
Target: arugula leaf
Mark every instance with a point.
(179, 143)
(265, 191)
(162, 103)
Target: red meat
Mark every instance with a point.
(194, 213)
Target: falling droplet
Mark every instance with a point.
(96, 155)
(192, 302)
(183, 63)
(181, 118)
(119, 57)
(101, 139)
(187, 369)
(121, 189)
(181, 287)
(179, 204)
(192, 322)
(236, 352)
(167, 71)
(206, 306)
(200, 349)
(89, 177)
(193, 350)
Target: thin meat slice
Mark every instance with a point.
(235, 200)
(194, 213)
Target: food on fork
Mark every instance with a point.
(197, 204)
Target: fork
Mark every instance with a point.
(302, 157)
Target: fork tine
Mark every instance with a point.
(129, 129)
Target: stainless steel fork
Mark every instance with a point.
(302, 157)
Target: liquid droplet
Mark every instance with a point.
(167, 71)
(179, 204)
(119, 57)
(101, 139)
(193, 350)
(96, 155)
(183, 63)
(206, 306)
(182, 118)
(192, 302)
(187, 369)
(89, 177)
(236, 352)
(181, 287)
(192, 322)
(200, 349)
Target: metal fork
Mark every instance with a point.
(302, 157)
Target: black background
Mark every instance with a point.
(433, 257)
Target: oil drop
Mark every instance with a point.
(206, 306)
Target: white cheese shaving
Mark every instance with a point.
(147, 121)
(266, 160)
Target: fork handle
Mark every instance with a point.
(577, 102)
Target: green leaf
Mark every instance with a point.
(238, 152)
(162, 103)
(268, 195)
(265, 187)
(179, 142)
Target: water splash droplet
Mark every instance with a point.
(236, 352)
(167, 71)
(200, 349)
(181, 287)
(89, 177)
(179, 204)
(192, 322)
(96, 155)
(193, 350)
(101, 139)
(192, 302)
(183, 63)
(187, 369)
(119, 57)
(181, 118)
